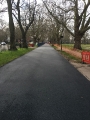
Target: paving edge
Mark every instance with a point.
(82, 68)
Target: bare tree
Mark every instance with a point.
(18, 34)
(3, 9)
(24, 12)
(11, 26)
(38, 27)
(3, 34)
(74, 13)
(11, 23)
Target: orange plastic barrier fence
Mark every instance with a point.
(85, 57)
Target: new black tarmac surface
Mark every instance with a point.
(42, 85)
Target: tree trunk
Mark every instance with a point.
(77, 44)
(24, 41)
(11, 26)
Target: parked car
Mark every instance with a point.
(3, 43)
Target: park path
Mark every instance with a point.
(42, 85)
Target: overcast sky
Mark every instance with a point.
(5, 16)
(39, 1)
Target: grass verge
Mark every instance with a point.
(7, 56)
(70, 57)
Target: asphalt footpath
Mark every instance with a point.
(42, 85)
(83, 68)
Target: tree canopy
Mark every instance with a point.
(74, 15)
(47, 21)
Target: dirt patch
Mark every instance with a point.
(70, 51)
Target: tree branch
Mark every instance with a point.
(85, 9)
(60, 22)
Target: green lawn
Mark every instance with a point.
(7, 56)
(68, 45)
(84, 46)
